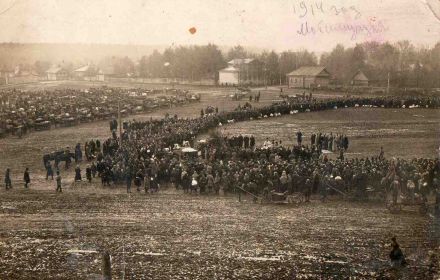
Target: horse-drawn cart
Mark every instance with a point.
(285, 198)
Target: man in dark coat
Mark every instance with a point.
(77, 174)
(128, 179)
(345, 141)
(8, 182)
(89, 173)
(78, 153)
(396, 255)
(252, 142)
(138, 180)
(299, 138)
(246, 141)
(26, 178)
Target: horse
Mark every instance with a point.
(58, 157)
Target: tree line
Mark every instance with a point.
(405, 64)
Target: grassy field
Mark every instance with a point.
(404, 133)
(174, 236)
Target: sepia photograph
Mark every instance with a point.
(219, 139)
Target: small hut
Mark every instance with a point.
(359, 79)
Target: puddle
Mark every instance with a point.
(276, 258)
(74, 251)
(149, 253)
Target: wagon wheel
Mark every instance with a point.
(394, 208)
(389, 205)
(297, 199)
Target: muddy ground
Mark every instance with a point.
(173, 236)
(44, 235)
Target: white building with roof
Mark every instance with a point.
(241, 71)
(89, 73)
(56, 73)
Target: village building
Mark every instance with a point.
(228, 76)
(56, 73)
(359, 79)
(88, 73)
(309, 77)
(241, 71)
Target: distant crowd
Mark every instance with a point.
(24, 111)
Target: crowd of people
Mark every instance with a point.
(145, 154)
(240, 141)
(325, 141)
(23, 111)
(148, 154)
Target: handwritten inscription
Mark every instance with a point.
(319, 17)
(315, 8)
(355, 29)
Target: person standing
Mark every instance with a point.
(382, 153)
(345, 141)
(8, 182)
(283, 182)
(77, 174)
(26, 178)
(308, 190)
(341, 155)
(217, 182)
(138, 180)
(330, 143)
(312, 139)
(58, 180)
(252, 142)
(78, 153)
(299, 138)
(210, 182)
(49, 170)
(323, 187)
(89, 173)
(395, 187)
(93, 169)
(128, 179)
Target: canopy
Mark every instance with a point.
(189, 150)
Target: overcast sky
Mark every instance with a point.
(269, 24)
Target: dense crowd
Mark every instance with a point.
(148, 154)
(145, 153)
(22, 111)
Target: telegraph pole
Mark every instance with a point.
(119, 119)
(388, 84)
